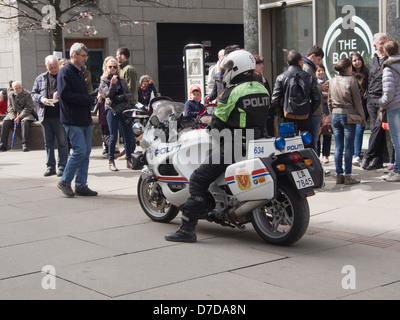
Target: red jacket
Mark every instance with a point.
(3, 106)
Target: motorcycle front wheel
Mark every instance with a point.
(283, 220)
(153, 202)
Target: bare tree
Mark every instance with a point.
(55, 15)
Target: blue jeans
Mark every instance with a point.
(78, 163)
(359, 135)
(344, 141)
(394, 128)
(127, 131)
(316, 123)
(52, 128)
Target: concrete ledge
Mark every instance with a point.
(36, 139)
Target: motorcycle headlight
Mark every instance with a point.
(280, 143)
(138, 129)
(306, 137)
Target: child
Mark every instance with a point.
(193, 106)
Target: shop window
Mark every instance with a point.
(346, 26)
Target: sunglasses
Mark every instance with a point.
(112, 67)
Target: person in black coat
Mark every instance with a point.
(75, 114)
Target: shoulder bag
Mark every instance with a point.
(353, 118)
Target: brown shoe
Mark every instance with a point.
(339, 179)
(111, 164)
(349, 179)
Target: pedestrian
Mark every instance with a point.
(3, 101)
(20, 110)
(44, 92)
(230, 114)
(361, 72)
(344, 100)
(75, 115)
(193, 106)
(62, 62)
(298, 112)
(116, 91)
(259, 76)
(128, 73)
(390, 101)
(219, 86)
(326, 138)
(373, 158)
(313, 57)
(213, 71)
(146, 92)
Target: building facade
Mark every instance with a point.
(339, 26)
(155, 36)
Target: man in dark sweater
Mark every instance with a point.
(75, 104)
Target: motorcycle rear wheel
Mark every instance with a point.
(284, 220)
(153, 202)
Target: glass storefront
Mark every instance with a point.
(346, 26)
(292, 31)
(342, 27)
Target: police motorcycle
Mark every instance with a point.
(268, 188)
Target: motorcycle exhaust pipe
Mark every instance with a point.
(247, 207)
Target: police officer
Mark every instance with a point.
(244, 104)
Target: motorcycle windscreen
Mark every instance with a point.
(250, 180)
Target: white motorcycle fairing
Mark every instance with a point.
(173, 163)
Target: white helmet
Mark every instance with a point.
(237, 63)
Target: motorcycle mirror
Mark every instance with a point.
(154, 121)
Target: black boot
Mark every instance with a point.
(185, 233)
(181, 235)
(365, 163)
(376, 163)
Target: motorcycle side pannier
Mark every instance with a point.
(250, 180)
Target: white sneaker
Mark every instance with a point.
(394, 177)
(325, 159)
(356, 161)
(389, 168)
(386, 176)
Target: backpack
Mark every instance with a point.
(297, 104)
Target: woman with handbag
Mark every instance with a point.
(117, 94)
(345, 106)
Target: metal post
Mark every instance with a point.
(250, 20)
(397, 9)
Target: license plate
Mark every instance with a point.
(302, 179)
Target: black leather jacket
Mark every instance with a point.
(278, 94)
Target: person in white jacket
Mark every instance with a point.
(390, 102)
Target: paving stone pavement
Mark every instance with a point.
(106, 248)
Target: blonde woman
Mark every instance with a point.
(116, 90)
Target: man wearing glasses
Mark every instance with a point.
(75, 105)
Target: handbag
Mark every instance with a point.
(326, 125)
(354, 119)
(119, 108)
(382, 115)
